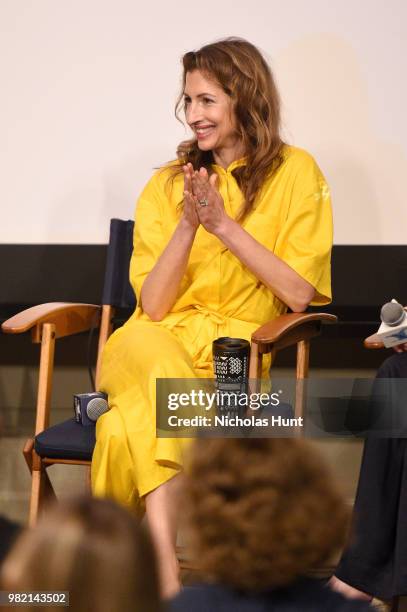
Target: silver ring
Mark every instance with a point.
(203, 202)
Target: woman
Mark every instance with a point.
(261, 514)
(91, 548)
(374, 562)
(226, 238)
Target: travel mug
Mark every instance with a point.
(231, 369)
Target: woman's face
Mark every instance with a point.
(208, 112)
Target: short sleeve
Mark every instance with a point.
(148, 241)
(305, 239)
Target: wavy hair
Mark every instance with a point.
(244, 75)
(261, 513)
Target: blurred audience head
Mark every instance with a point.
(92, 548)
(261, 512)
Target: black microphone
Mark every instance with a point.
(89, 407)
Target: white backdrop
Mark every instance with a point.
(88, 89)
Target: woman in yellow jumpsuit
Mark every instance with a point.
(225, 239)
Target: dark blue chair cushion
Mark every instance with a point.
(67, 440)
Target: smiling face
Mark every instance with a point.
(209, 113)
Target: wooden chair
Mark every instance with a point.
(70, 443)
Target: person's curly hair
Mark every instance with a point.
(261, 512)
(240, 69)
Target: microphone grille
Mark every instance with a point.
(96, 407)
(392, 314)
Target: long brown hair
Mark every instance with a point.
(92, 548)
(244, 75)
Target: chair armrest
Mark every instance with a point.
(373, 342)
(68, 318)
(290, 328)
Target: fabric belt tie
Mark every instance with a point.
(215, 317)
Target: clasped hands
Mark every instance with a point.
(203, 204)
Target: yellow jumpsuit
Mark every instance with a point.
(218, 296)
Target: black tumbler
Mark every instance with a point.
(231, 367)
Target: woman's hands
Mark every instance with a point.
(204, 205)
(160, 288)
(401, 348)
(190, 216)
(202, 200)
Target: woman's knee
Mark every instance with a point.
(141, 345)
(110, 427)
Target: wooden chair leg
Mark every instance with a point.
(36, 494)
(42, 493)
(28, 453)
(41, 488)
(255, 366)
(45, 377)
(48, 489)
(88, 479)
(43, 483)
(302, 374)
